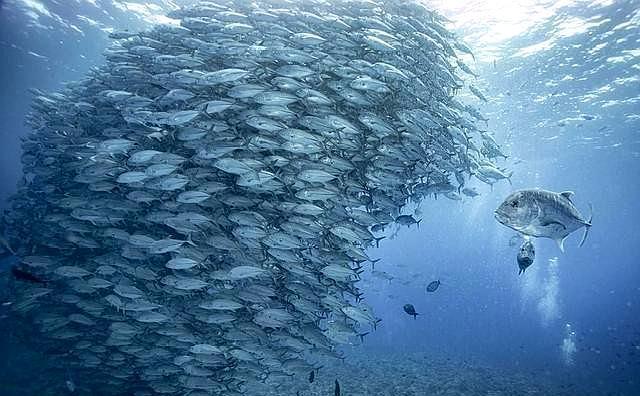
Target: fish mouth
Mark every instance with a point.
(500, 217)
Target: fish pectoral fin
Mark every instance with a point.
(546, 223)
(567, 194)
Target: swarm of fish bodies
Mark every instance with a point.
(201, 205)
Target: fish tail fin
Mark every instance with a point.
(418, 223)
(378, 241)
(587, 226)
(375, 323)
(415, 315)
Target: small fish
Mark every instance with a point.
(26, 276)
(408, 220)
(312, 376)
(542, 213)
(409, 309)
(433, 286)
(470, 192)
(71, 386)
(336, 389)
(526, 255)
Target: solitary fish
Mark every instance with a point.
(71, 386)
(410, 309)
(336, 389)
(433, 286)
(526, 255)
(470, 192)
(541, 213)
(312, 376)
(25, 276)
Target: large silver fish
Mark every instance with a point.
(543, 214)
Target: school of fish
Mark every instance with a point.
(198, 209)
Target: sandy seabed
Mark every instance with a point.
(418, 374)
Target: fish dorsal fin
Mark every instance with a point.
(567, 194)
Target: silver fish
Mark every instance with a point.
(542, 213)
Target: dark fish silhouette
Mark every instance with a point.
(336, 389)
(312, 376)
(526, 255)
(25, 276)
(409, 308)
(433, 286)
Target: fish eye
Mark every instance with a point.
(515, 203)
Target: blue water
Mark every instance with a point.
(566, 111)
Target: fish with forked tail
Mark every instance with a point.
(542, 213)
(410, 310)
